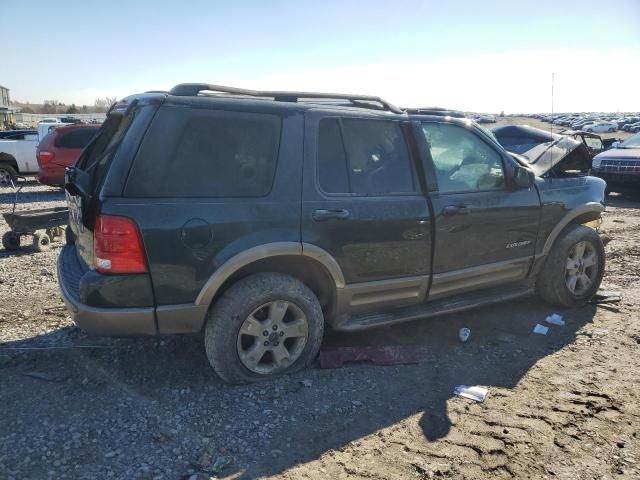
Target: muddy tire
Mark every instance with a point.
(11, 241)
(265, 325)
(7, 175)
(574, 268)
(41, 242)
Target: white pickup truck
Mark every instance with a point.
(18, 152)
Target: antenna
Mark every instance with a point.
(553, 75)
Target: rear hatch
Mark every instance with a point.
(91, 179)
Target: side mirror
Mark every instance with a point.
(523, 177)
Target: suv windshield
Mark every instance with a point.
(631, 142)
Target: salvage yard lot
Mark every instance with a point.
(564, 405)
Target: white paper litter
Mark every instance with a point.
(541, 329)
(555, 319)
(464, 334)
(475, 393)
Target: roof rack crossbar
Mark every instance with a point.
(193, 89)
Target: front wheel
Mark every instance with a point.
(573, 271)
(265, 325)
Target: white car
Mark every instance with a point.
(601, 127)
(18, 154)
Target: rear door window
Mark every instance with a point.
(206, 153)
(76, 138)
(363, 157)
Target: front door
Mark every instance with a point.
(485, 233)
(362, 201)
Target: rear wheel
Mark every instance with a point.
(265, 325)
(11, 241)
(7, 175)
(574, 268)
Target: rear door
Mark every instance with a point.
(363, 204)
(485, 231)
(107, 148)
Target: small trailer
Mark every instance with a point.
(43, 224)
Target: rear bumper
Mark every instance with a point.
(51, 176)
(94, 302)
(97, 320)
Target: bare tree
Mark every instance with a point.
(50, 106)
(103, 104)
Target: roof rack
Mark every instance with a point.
(193, 89)
(439, 111)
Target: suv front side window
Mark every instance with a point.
(463, 162)
(363, 157)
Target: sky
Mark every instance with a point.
(485, 56)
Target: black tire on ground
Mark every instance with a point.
(11, 241)
(41, 242)
(234, 307)
(7, 175)
(551, 284)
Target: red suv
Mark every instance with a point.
(60, 149)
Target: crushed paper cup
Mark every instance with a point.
(540, 329)
(475, 393)
(555, 319)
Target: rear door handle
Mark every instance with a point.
(453, 210)
(323, 214)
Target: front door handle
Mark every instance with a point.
(453, 210)
(324, 214)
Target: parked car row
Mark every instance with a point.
(45, 151)
(592, 122)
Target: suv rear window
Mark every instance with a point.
(76, 138)
(206, 153)
(97, 157)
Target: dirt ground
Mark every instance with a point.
(562, 405)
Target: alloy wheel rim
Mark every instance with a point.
(581, 268)
(272, 337)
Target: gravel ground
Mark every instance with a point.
(564, 405)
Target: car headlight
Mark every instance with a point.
(596, 163)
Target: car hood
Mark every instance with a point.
(620, 154)
(542, 150)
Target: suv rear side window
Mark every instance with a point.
(206, 153)
(363, 157)
(76, 138)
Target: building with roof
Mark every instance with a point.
(5, 109)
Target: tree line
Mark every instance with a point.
(100, 105)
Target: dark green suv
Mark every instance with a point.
(262, 217)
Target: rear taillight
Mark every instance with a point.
(117, 246)
(45, 157)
